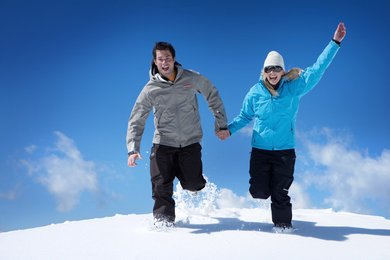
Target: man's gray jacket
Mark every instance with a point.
(175, 107)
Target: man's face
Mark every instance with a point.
(165, 64)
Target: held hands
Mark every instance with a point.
(132, 158)
(223, 134)
(340, 32)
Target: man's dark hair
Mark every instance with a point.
(162, 46)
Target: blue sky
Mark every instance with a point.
(71, 71)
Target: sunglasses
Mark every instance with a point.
(268, 69)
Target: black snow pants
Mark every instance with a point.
(168, 162)
(271, 174)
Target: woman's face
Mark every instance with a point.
(273, 74)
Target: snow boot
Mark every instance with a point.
(283, 228)
(163, 223)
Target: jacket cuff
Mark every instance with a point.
(338, 43)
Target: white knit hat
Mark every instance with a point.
(274, 59)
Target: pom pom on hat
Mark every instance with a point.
(274, 59)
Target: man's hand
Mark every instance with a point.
(132, 158)
(223, 134)
(340, 32)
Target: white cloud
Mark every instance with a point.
(30, 149)
(354, 180)
(228, 199)
(11, 194)
(299, 197)
(64, 173)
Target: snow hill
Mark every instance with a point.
(205, 231)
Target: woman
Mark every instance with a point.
(273, 103)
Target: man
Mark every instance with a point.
(176, 152)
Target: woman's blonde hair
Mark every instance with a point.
(289, 76)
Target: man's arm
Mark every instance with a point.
(211, 94)
(136, 126)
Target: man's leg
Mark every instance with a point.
(162, 172)
(190, 168)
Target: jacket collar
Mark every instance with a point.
(155, 76)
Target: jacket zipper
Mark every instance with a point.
(273, 122)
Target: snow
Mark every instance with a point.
(205, 230)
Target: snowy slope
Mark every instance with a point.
(226, 234)
(205, 231)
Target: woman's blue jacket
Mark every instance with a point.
(275, 116)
